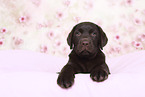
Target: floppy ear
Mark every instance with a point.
(103, 38)
(70, 38)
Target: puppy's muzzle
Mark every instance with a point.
(85, 43)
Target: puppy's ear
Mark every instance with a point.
(70, 38)
(103, 38)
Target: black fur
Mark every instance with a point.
(87, 40)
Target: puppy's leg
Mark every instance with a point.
(100, 73)
(66, 77)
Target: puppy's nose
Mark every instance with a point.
(85, 43)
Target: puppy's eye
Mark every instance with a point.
(78, 33)
(91, 31)
(93, 34)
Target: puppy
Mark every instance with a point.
(87, 40)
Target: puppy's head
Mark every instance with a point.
(86, 39)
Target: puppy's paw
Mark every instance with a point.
(99, 75)
(65, 81)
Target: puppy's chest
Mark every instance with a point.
(86, 65)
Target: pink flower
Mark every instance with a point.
(77, 19)
(44, 49)
(36, 2)
(39, 26)
(117, 37)
(22, 19)
(65, 50)
(137, 21)
(112, 50)
(51, 34)
(67, 2)
(57, 43)
(143, 37)
(133, 42)
(129, 1)
(1, 42)
(89, 4)
(3, 30)
(59, 15)
(137, 45)
(17, 41)
(140, 38)
(117, 49)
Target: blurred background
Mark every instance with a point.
(43, 25)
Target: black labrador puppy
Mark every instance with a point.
(87, 40)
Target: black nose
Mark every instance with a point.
(85, 43)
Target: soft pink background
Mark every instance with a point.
(43, 25)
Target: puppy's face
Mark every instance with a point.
(87, 39)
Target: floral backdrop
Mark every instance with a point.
(43, 25)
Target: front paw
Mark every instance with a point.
(65, 81)
(99, 75)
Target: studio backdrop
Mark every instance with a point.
(43, 25)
